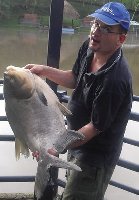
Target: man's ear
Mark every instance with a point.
(122, 38)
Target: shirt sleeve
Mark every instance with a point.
(105, 108)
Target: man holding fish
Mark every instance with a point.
(100, 103)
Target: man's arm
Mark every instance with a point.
(60, 77)
(89, 131)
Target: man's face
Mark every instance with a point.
(105, 38)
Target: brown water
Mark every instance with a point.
(21, 47)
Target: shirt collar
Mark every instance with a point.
(110, 62)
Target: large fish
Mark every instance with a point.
(36, 118)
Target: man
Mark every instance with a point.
(100, 103)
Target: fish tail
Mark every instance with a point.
(43, 173)
(41, 179)
(58, 162)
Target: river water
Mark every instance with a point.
(21, 47)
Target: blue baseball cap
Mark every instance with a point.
(113, 13)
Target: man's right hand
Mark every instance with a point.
(36, 69)
(53, 152)
(35, 155)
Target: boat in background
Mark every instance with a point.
(68, 30)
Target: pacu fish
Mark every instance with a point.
(36, 118)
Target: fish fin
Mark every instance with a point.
(63, 109)
(42, 98)
(66, 138)
(20, 148)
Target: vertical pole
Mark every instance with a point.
(54, 36)
(53, 58)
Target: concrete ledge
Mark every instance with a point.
(16, 196)
(19, 196)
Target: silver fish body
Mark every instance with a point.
(36, 118)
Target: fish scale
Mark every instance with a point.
(36, 118)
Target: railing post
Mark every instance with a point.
(53, 58)
(54, 40)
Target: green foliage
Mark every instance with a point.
(85, 7)
(83, 10)
(44, 20)
(72, 23)
(10, 9)
(76, 23)
(10, 23)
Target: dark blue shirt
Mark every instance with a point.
(105, 98)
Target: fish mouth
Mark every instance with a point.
(9, 74)
(10, 70)
(19, 81)
(5, 72)
(6, 75)
(14, 73)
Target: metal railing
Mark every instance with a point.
(122, 163)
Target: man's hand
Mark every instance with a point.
(51, 151)
(35, 155)
(36, 69)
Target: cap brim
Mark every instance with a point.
(103, 18)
